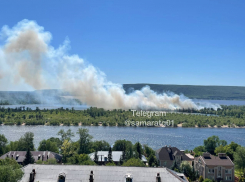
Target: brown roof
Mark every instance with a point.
(217, 161)
(168, 153)
(19, 156)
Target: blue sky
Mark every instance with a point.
(166, 42)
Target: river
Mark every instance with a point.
(183, 138)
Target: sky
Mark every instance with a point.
(164, 42)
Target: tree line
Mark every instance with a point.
(231, 116)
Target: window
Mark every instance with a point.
(228, 171)
(105, 158)
(211, 171)
(228, 178)
(129, 180)
(200, 161)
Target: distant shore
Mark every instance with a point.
(178, 126)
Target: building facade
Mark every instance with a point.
(167, 155)
(19, 156)
(218, 168)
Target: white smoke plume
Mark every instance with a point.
(28, 62)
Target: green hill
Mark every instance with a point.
(191, 91)
(196, 91)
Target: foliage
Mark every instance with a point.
(199, 150)
(225, 149)
(188, 170)
(100, 146)
(10, 170)
(208, 180)
(239, 158)
(67, 150)
(26, 142)
(3, 143)
(175, 166)
(65, 135)
(28, 158)
(84, 141)
(57, 141)
(138, 150)
(200, 179)
(152, 161)
(147, 151)
(96, 159)
(241, 179)
(82, 159)
(212, 142)
(110, 155)
(134, 162)
(12, 146)
(110, 164)
(229, 115)
(47, 145)
(49, 161)
(126, 147)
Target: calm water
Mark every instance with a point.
(183, 138)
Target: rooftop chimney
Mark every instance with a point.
(206, 155)
(222, 155)
(91, 177)
(169, 149)
(32, 175)
(158, 178)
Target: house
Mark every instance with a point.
(19, 156)
(190, 156)
(116, 155)
(167, 155)
(81, 173)
(218, 168)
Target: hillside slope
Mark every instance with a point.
(196, 92)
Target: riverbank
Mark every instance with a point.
(101, 124)
(232, 116)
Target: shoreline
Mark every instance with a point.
(100, 125)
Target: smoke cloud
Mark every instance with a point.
(28, 62)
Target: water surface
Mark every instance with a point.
(183, 138)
